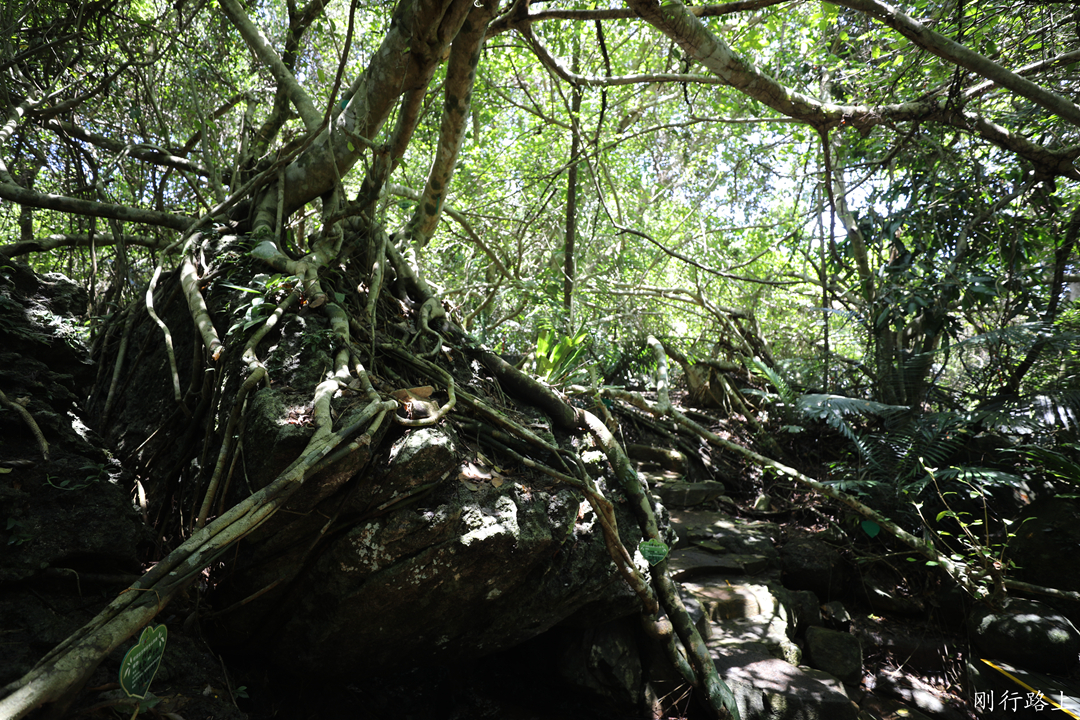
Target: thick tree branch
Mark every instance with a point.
(457, 90)
(61, 203)
(676, 22)
(509, 20)
(405, 61)
(144, 152)
(261, 47)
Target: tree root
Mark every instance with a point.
(43, 445)
(70, 663)
(121, 354)
(720, 698)
(965, 576)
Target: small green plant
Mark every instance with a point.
(985, 558)
(325, 340)
(94, 473)
(261, 299)
(557, 358)
(785, 398)
(19, 534)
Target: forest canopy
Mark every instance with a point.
(862, 179)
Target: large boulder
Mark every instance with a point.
(809, 563)
(837, 653)
(435, 562)
(1027, 633)
(413, 546)
(1044, 546)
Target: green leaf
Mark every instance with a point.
(321, 74)
(349, 143)
(245, 289)
(870, 527)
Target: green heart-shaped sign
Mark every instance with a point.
(141, 662)
(653, 550)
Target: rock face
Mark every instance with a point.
(765, 687)
(71, 512)
(407, 550)
(837, 653)
(815, 565)
(69, 536)
(1045, 544)
(464, 573)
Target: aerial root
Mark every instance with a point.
(22, 412)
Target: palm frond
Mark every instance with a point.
(821, 406)
(1019, 415)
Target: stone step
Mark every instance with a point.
(728, 575)
(721, 533)
(689, 562)
(688, 494)
(766, 688)
(730, 615)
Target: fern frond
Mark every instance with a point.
(786, 392)
(1054, 462)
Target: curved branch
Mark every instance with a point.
(1063, 59)
(62, 203)
(406, 60)
(510, 21)
(458, 217)
(22, 412)
(678, 23)
(52, 242)
(552, 63)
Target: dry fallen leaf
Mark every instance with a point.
(419, 393)
(497, 481)
(472, 486)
